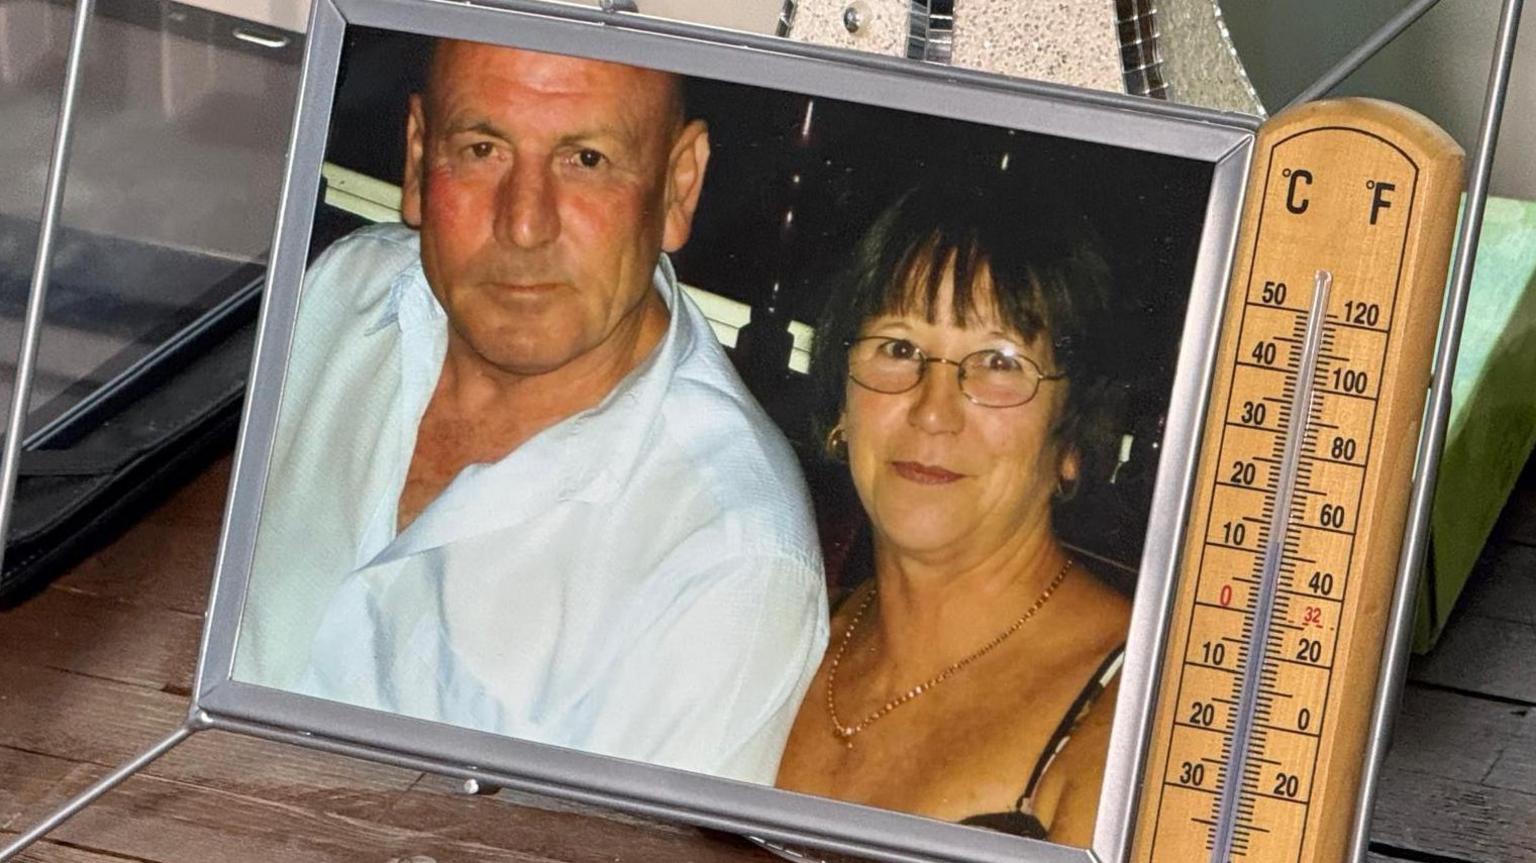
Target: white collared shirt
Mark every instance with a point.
(641, 580)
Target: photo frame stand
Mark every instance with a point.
(1394, 665)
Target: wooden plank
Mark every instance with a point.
(1454, 736)
(30, 779)
(28, 776)
(1433, 815)
(289, 775)
(166, 559)
(302, 787)
(54, 852)
(152, 564)
(68, 715)
(1516, 765)
(1482, 654)
(170, 822)
(105, 723)
(102, 637)
(1453, 744)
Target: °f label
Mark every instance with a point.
(1292, 548)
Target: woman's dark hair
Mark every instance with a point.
(1025, 253)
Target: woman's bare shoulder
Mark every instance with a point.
(1067, 798)
(1073, 784)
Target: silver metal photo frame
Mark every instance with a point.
(1221, 141)
(1224, 141)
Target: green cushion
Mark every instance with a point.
(1493, 409)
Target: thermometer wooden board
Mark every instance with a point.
(1292, 549)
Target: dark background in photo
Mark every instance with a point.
(835, 165)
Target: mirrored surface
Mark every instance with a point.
(1439, 66)
(171, 191)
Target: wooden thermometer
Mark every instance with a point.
(1292, 552)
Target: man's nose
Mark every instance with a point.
(528, 215)
(939, 404)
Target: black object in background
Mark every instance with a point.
(170, 199)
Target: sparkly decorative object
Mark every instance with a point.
(1174, 49)
(882, 25)
(1067, 41)
(931, 31)
(1141, 54)
(846, 733)
(853, 16)
(1200, 62)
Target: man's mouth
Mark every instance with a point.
(925, 474)
(528, 288)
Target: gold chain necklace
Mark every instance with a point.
(847, 732)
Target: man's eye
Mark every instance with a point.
(482, 149)
(589, 158)
(898, 349)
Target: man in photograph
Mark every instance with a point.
(516, 485)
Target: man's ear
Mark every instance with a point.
(685, 180)
(415, 157)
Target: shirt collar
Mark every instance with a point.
(409, 302)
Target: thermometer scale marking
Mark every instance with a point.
(1314, 350)
(1279, 508)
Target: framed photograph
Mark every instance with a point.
(772, 438)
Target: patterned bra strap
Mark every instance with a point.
(1096, 685)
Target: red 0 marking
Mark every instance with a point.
(1226, 594)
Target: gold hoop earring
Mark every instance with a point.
(1066, 489)
(836, 444)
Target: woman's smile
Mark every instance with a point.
(925, 474)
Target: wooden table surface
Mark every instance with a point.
(97, 667)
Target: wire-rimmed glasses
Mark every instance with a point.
(992, 378)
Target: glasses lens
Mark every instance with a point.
(999, 380)
(885, 365)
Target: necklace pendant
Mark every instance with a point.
(848, 743)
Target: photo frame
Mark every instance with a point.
(1213, 146)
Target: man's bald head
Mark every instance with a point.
(663, 92)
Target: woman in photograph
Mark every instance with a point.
(971, 674)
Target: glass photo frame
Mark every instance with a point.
(811, 152)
